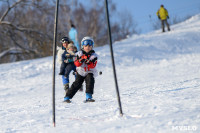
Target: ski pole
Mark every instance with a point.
(54, 63)
(112, 58)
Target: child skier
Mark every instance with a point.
(66, 60)
(85, 62)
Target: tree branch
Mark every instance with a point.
(9, 8)
(27, 50)
(10, 51)
(22, 29)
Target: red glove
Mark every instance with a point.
(92, 64)
(84, 57)
(79, 60)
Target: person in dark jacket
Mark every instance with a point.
(65, 41)
(67, 61)
(67, 64)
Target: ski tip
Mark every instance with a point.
(67, 101)
(89, 100)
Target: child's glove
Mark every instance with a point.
(91, 61)
(82, 59)
(87, 61)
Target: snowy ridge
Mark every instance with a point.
(158, 77)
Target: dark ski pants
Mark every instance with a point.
(163, 22)
(69, 67)
(89, 81)
(66, 68)
(62, 68)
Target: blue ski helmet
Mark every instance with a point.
(87, 41)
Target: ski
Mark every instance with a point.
(89, 100)
(67, 101)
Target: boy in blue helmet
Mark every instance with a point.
(85, 62)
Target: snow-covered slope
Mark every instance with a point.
(159, 81)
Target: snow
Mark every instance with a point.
(158, 78)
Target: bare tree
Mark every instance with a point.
(126, 26)
(21, 35)
(26, 26)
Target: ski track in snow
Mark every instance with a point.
(158, 77)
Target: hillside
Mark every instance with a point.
(158, 77)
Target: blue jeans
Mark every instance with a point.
(65, 80)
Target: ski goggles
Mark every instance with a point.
(87, 42)
(64, 41)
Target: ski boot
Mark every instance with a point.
(67, 100)
(89, 98)
(66, 88)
